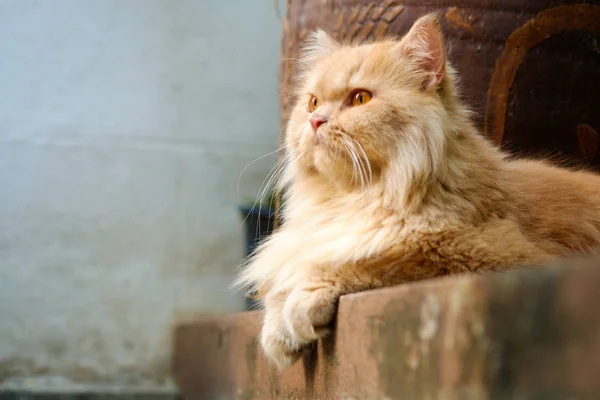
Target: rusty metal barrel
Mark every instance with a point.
(530, 69)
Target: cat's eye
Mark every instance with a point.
(313, 103)
(360, 97)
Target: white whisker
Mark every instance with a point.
(271, 178)
(264, 183)
(362, 168)
(252, 162)
(367, 162)
(268, 186)
(356, 162)
(349, 153)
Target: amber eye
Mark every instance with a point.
(313, 103)
(360, 97)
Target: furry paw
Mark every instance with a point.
(308, 313)
(279, 347)
(295, 321)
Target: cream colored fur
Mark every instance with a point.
(400, 188)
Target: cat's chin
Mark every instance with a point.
(323, 156)
(331, 165)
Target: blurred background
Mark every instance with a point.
(124, 126)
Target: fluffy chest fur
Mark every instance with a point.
(351, 232)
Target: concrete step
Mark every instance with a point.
(106, 395)
(58, 388)
(525, 334)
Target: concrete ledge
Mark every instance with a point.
(56, 387)
(518, 335)
(91, 394)
(108, 395)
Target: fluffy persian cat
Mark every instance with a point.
(387, 180)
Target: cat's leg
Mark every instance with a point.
(310, 308)
(296, 318)
(274, 273)
(278, 343)
(299, 316)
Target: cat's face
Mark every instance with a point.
(362, 107)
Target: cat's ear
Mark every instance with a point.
(424, 44)
(320, 44)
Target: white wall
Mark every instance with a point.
(124, 125)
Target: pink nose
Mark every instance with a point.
(316, 120)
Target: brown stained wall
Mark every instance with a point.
(530, 68)
(523, 334)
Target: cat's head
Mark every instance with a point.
(366, 109)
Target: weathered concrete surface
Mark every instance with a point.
(523, 334)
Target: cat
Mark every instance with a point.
(388, 181)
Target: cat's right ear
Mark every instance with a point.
(320, 44)
(424, 44)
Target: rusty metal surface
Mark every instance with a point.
(517, 335)
(530, 68)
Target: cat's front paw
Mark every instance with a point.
(279, 346)
(308, 313)
(295, 320)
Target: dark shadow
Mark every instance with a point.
(309, 360)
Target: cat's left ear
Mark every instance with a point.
(320, 44)
(424, 45)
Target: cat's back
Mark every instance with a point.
(558, 207)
